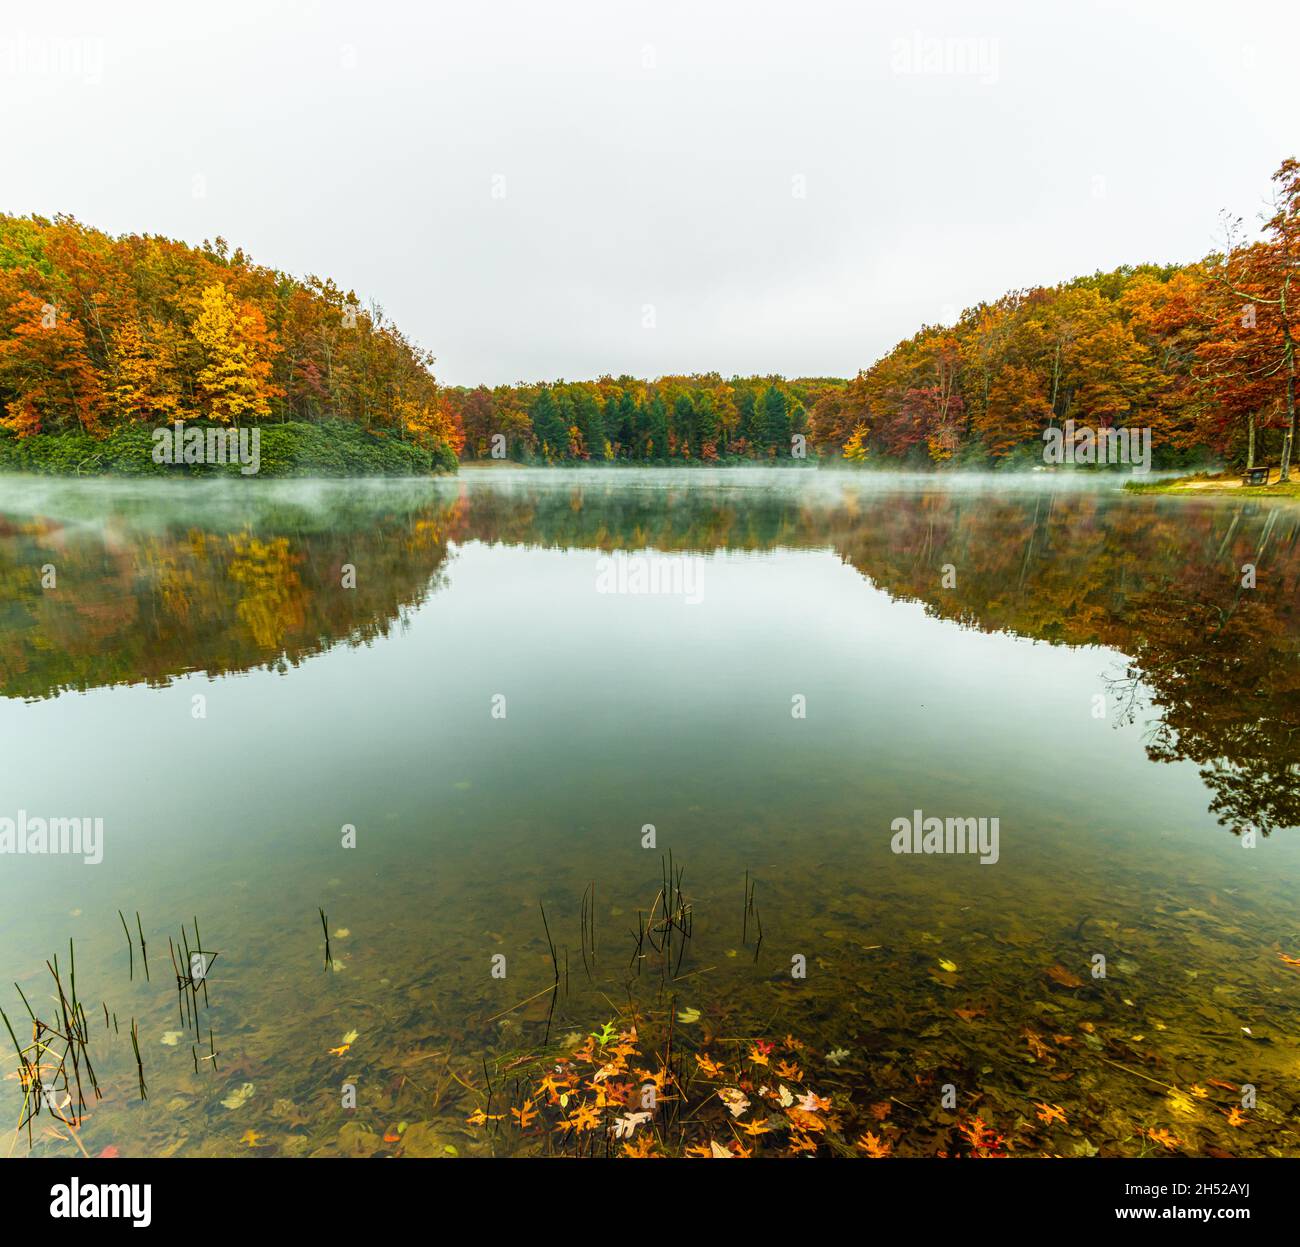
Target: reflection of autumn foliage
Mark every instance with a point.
(1226, 682)
(271, 602)
(1216, 661)
(1157, 579)
(143, 608)
(1158, 582)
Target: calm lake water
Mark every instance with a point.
(500, 717)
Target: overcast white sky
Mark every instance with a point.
(649, 154)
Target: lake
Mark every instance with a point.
(550, 751)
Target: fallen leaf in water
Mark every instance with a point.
(836, 1055)
(1059, 974)
(342, 933)
(1235, 1117)
(350, 1037)
(949, 966)
(584, 1118)
(688, 1016)
(524, 1116)
(625, 1126)
(1036, 1045)
(874, 1146)
(1165, 1139)
(642, 1148)
(239, 1097)
(1048, 1113)
(110, 1152)
(172, 1038)
(340, 1050)
(250, 1137)
(734, 1099)
(1180, 1103)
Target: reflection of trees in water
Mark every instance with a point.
(144, 605)
(1157, 579)
(1160, 581)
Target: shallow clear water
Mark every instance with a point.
(838, 652)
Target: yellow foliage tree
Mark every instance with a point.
(855, 448)
(144, 385)
(237, 349)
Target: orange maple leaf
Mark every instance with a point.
(874, 1146)
(642, 1148)
(584, 1118)
(524, 1116)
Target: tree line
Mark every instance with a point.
(97, 332)
(1203, 354)
(702, 417)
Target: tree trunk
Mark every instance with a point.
(1250, 442)
(1289, 349)
(1289, 440)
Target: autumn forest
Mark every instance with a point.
(102, 336)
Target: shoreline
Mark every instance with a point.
(1217, 485)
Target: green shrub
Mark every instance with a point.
(333, 448)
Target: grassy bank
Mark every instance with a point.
(334, 448)
(1202, 483)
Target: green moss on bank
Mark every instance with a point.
(333, 448)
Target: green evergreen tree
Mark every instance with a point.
(776, 421)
